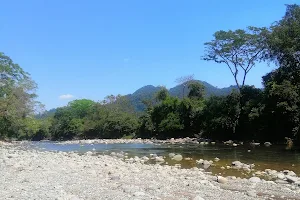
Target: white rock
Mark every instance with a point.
(198, 198)
(267, 144)
(217, 159)
(200, 161)
(281, 181)
(291, 179)
(171, 155)
(254, 180)
(206, 162)
(291, 173)
(138, 194)
(234, 144)
(237, 163)
(281, 176)
(221, 179)
(251, 193)
(145, 158)
(159, 159)
(177, 157)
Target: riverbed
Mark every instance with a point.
(28, 173)
(274, 157)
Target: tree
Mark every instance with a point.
(162, 94)
(17, 97)
(184, 80)
(81, 107)
(282, 86)
(283, 42)
(196, 90)
(239, 50)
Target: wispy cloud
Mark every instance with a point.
(66, 96)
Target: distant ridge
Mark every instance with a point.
(148, 92)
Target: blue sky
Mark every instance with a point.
(90, 49)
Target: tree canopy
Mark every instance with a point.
(239, 50)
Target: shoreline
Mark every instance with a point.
(32, 174)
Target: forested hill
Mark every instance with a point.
(148, 92)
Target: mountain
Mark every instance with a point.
(209, 90)
(148, 92)
(144, 93)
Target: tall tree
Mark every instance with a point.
(239, 50)
(184, 80)
(284, 42)
(17, 97)
(162, 94)
(196, 90)
(282, 86)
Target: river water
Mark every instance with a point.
(274, 157)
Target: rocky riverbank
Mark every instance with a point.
(31, 174)
(186, 140)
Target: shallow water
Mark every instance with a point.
(274, 157)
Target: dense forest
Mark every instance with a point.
(242, 113)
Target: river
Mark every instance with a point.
(273, 157)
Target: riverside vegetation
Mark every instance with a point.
(246, 114)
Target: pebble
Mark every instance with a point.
(171, 155)
(138, 194)
(198, 198)
(251, 193)
(159, 159)
(217, 159)
(177, 157)
(221, 179)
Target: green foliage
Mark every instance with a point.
(196, 90)
(81, 107)
(162, 94)
(17, 99)
(239, 50)
(88, 119)
(283, 42)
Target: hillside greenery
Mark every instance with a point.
(240, 112)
